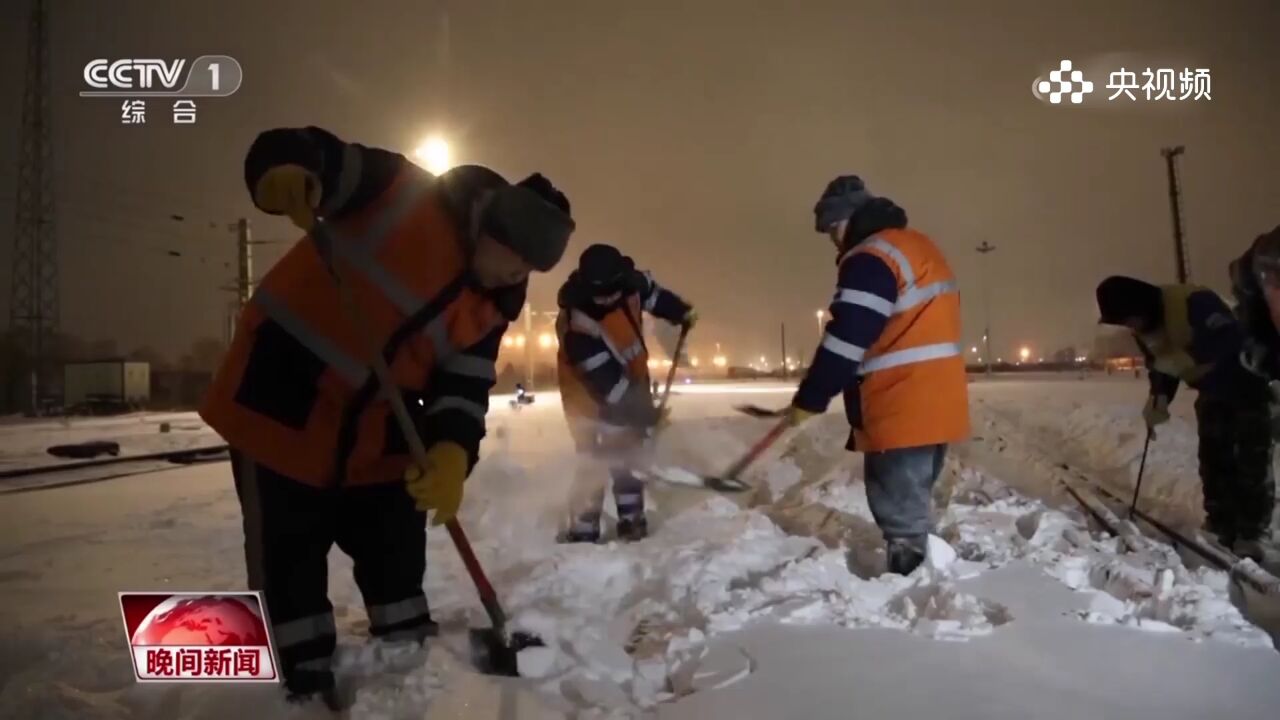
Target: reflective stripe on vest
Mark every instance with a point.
(897, 358)
(587, 325)
(918, 295)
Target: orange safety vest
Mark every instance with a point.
(295, 391)
(914, 390)
(623, 344)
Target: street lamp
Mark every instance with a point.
(545, 340)
(520, 341)
(434, 155)
(1024, 353)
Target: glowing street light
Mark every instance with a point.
(1024, 353)
(974, 349)
(720, 361)
(508, 341)
(693, 361)
(520, 341)
(545, 340)
(434, 155)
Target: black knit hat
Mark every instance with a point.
(1121, 298)
(603, 267)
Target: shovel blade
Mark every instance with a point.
(493, 654)
(756, 411)
(724, 485)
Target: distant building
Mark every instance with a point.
(106, 385)
(1124, 364)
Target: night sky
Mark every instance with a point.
(694, 135)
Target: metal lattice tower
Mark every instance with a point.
(33, 308)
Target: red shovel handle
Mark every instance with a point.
(758, 449)
(488, 597)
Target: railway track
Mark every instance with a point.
(56, 475)
(1103, 505)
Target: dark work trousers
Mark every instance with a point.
(606, 456)
(899, 490)
(289, 528)
(1235, 464)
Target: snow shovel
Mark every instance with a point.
(729, 481)
(675, 363)
(756, 411)
(492, 651)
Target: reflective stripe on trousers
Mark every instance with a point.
(395, 613)
(305, 629)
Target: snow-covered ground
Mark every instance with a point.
(768, 605)
(25, 443)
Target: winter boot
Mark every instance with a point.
(633, 529)
(1251, 548)
(585, 529)
(1223, 533)
(904, 555)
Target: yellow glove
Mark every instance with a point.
(1155, 413)
(690, 319)
(438, 486)
(797, 416)
(291, 190)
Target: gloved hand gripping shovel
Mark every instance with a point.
(492, 651)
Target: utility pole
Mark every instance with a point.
(33, 300)
(985, 249)
(1175, 204)
(785, 369)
